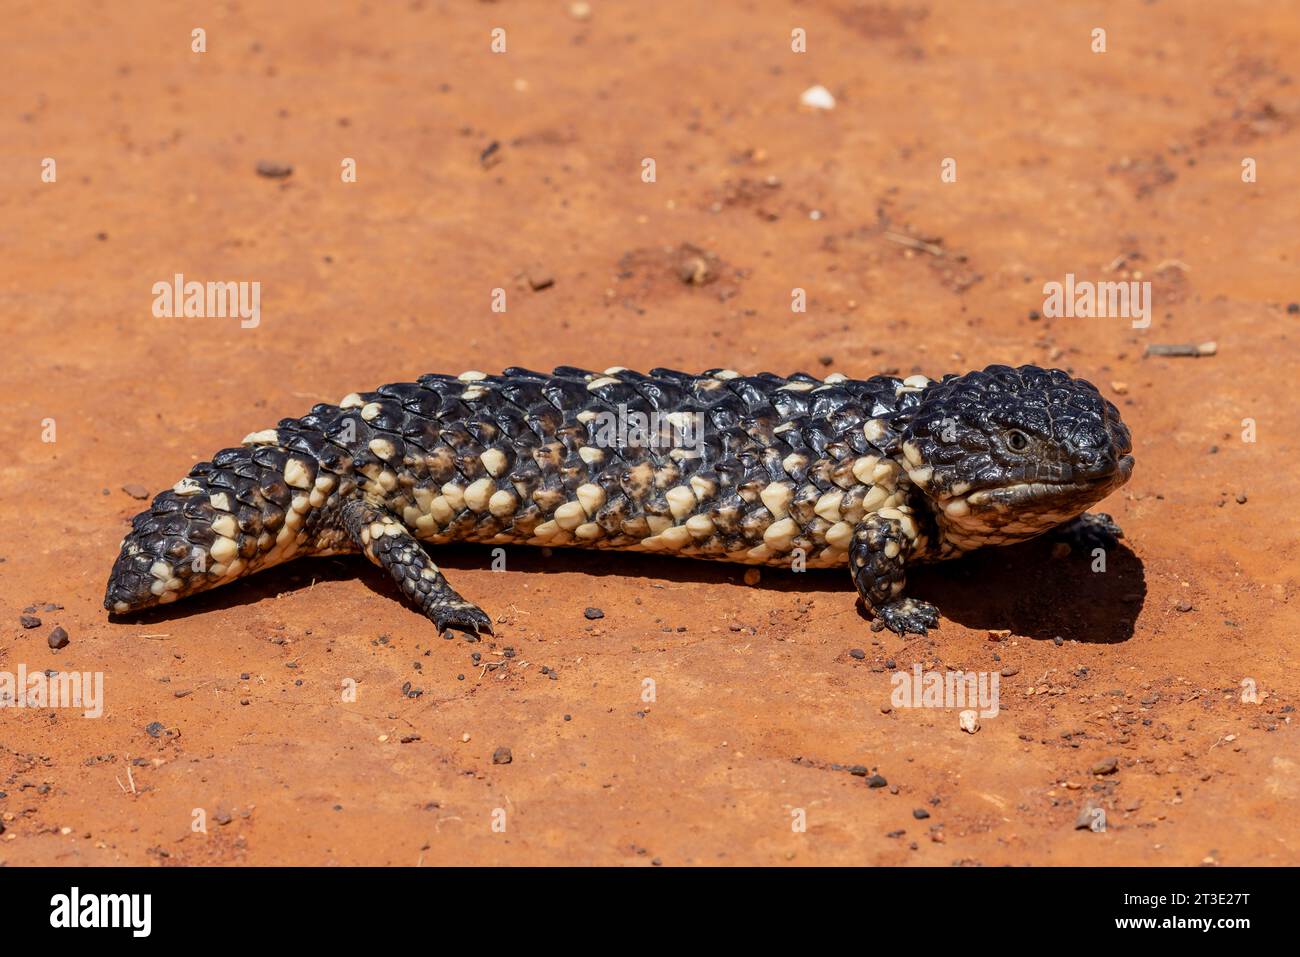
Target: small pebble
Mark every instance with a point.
(594, 613)
(502, 756)
(273, 170)
(817, 97)
(1106, 766)
(29, 621)
(857, 653)
(1087, 814)
(136, 490)
(920, 813)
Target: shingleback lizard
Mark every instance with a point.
(874, 474)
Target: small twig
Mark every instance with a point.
(155, 637)
(1183, 349)
(913, 243)
(186, 692)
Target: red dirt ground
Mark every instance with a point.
(1117, 165)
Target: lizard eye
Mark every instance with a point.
(1017, 441)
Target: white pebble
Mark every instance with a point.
(818, 97)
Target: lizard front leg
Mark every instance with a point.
(387, 542)
(878, 558)
(1090, 530)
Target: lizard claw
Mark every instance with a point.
(905, 616)
(1090, 530)
(466, 617)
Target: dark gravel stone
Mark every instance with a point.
(594, 613)
(876, 781)
(857, 653)
(29, 621)
(1087, 815)
(155, 729)
(920, 813)
(502, 756)
(273, 170)
(1106, 766)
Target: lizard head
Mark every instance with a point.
(1005, 454)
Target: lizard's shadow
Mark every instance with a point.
(1026, 590)
(1021, 587)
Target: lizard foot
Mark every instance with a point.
(907, 616)
(1090, 530)
(460, 616)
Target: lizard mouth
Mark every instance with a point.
(1022, 493)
